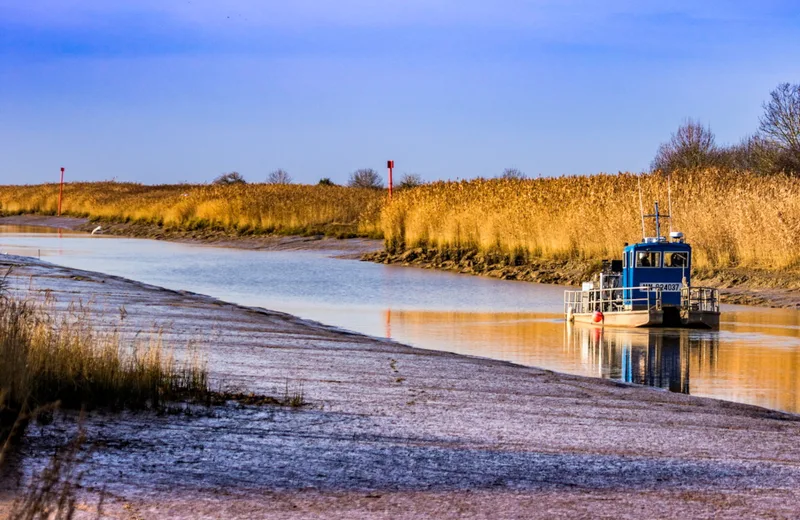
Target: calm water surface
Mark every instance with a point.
(754, 358)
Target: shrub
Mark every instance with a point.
(410, 180)
(692, 146)
(365, 178)
(279, 177)
(230, 178)
(513, 174)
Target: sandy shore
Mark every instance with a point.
(397, 432)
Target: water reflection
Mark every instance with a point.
(645, 357)
(753, 358)
(659, 358)
(760, 366)
(35, 232)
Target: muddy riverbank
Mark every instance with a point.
(397, 432)
(348, 246)
(737, 286)
(779, 289)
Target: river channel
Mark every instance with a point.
(754, 358)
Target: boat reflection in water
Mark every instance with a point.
(659, 358)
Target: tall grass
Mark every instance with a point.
(732, 219)
(241, 208)
(47, 360)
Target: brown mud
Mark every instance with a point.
(737, 286)
(353, 246)
(392, 431)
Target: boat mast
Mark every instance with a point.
(658, 223)
(657, 216)
(669, 197)
(641, 206)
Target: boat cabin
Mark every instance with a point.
(657, 263)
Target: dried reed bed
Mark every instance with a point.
(732, 219)
(241, 208)
(48, 359)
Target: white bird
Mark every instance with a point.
(96, 230)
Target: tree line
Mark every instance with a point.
(773, 148)
(361, 178)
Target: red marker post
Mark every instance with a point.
(390, 165)
(61, 191)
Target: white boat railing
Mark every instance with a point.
(700, 299)
(611, 300)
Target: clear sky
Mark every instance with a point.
(160, 91)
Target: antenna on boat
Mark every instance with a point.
(657, 216)
(669, 197)
(641, 205)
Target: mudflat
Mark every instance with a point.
(392, 431)
(351, 247)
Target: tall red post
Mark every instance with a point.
(390, 165)
(61, 191)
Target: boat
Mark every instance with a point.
(650, 286)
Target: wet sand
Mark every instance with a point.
(397, 432)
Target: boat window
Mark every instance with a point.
(648, 259)
(676, 259)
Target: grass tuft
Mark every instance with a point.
(47, 360)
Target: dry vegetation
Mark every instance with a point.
(732, 219)
(51, 362)
(47, 360)
(240, 208)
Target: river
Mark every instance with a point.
(754, 358)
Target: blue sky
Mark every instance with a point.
(158, 91)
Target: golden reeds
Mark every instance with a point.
(732, 219)
(47, 360)
(242, 208)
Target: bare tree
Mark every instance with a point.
(753, 153)
(365, 178)
(279, 176)
(513, 174)
(781, 120)
(230, 178)
(780, 127)
(410, 180)
(691, 146)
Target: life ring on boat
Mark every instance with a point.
(598, 317)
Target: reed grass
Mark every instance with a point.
(241, 208)
(732, 219)
(49, 360)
